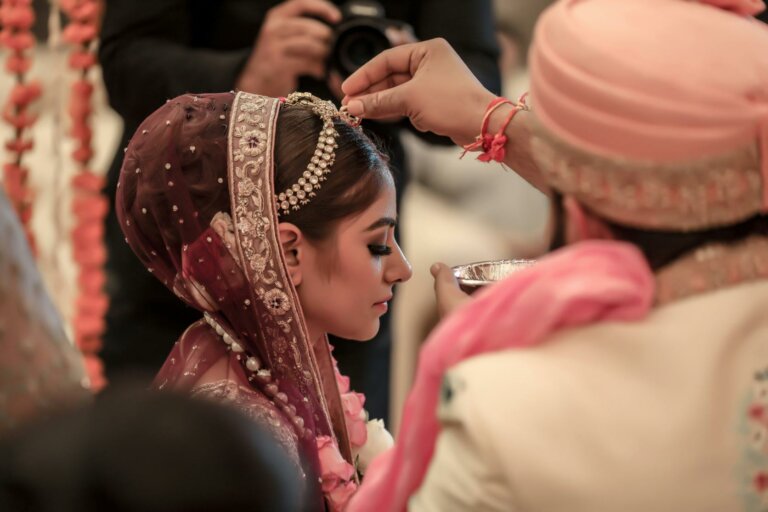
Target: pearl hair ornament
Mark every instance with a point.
(300, 193)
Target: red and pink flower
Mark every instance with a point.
(336, 474)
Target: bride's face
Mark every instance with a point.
(347, 281)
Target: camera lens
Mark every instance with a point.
(358, 45)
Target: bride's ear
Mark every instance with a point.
(292, 243)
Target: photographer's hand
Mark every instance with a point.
(289, 45)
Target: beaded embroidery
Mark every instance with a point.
(711, 192)
(253, 367)
(755, 460)
(256, 407)
(711, 267)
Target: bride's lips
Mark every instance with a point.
(383, 304)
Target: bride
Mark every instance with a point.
(275, 218)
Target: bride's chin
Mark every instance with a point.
(361, 335)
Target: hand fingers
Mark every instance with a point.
(389, 62)
(390, 119)
(303, 26)
(320, 8)
(449, 295)
(443, 276)
(304, 46)
(299, 65)
(389, 82)
(379, 105)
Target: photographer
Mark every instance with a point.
(152, 51)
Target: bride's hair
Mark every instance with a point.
(357, 176)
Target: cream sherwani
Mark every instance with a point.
(664, 415)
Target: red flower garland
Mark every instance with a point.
(89, 205)
(17, 18)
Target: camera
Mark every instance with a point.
(360, 35)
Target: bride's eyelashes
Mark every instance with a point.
(380, 250)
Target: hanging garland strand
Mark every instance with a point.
(17, 18)
(89, 205)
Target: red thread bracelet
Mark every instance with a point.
(492, 146)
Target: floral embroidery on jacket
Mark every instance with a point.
(754, 473)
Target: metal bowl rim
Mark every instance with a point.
(477, 282)
(493, 263)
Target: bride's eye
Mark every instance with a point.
(380, 250)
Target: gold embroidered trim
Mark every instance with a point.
(251, 191)
(707, 193)
(713, 267)
(251, 188)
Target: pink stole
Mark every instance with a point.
(594, 281)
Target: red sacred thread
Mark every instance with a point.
(17, 18)
(492, 146)
(89, 205)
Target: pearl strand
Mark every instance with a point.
(262, 375)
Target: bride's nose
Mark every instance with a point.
(398, 267)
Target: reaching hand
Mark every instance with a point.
(426, 82)
(289, 45)
(447, 292)
(430, 84)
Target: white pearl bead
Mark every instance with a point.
(236, 347)
(253, 364)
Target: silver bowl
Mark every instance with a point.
(473, 276)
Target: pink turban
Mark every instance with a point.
(654, 112)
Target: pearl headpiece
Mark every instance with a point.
(300, 193)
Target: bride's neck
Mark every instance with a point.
(316, 336)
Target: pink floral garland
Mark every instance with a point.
(17, 18)
(89, 205)
(338, 476)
